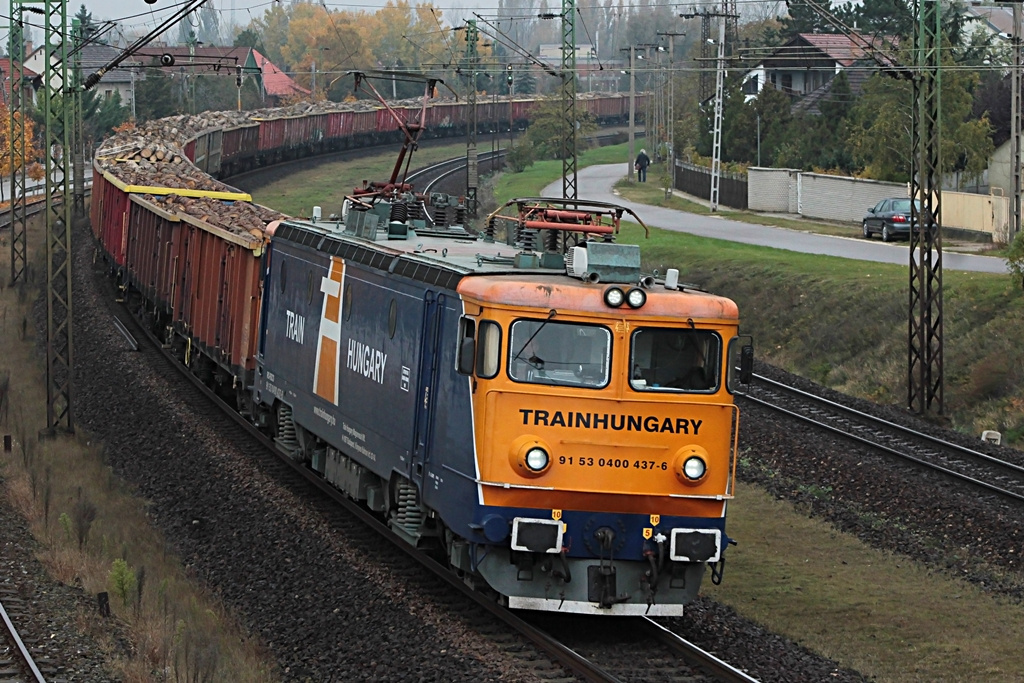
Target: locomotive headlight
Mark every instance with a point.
(690, 465)
(537, 459)
(614, 297)
(694, 468)
(636, 298)
(529, 456)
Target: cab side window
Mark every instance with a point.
(488, 349)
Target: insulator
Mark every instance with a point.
(528, 238)
(490, 229)
(460, 215)
(551, 240)
(399, 212)
(440, 216)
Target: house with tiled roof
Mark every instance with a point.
(277, 85)
(27, 86)
(806, 66)
(273, 83)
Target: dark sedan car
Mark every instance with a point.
(891, 218)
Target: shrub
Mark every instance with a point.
(121, 581)
(520, 157)
(1015, 258)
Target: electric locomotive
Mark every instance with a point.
(561, 426)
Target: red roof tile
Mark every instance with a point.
(275, 81)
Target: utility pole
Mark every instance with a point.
(1016, 113)
(925, 391)
(510, 78)
(632, 110)
(716, 151)
(671, 161)
(73, 98)
(58, 123)
(471, 156)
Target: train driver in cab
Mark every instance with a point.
(669, 359)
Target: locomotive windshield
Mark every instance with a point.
(675, 360)
(568, 354)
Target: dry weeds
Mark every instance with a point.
(84, 518)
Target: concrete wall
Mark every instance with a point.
(772, 189)
(839, 198)
(980, 212)
(845, 199)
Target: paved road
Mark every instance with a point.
(595, 183)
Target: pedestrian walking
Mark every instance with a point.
(642, 162)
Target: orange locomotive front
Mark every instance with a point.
(603, 417)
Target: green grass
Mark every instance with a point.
(327, 184)
(875, 612)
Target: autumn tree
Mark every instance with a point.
(31, 154)
(549, 128)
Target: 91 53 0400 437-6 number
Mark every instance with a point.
(622, 463)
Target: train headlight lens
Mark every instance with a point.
(537, 459)
(636, 298)
(614, 297)
(694, 468)
(529, 456)
(690, 465)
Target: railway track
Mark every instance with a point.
(1001, 478)
(651, 646)
(16, 662)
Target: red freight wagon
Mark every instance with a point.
(239, 143)
(385, 121)
(339, 124)
(109, 214)
(296, 131)
(151, 257)
(364, 121)
(190, 150)
(219, 278)
(317, 128)
(271, 134)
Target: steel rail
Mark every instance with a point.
(722, 670)
(1013, 467)
(887, 449)
(563, 655)
(26, 656)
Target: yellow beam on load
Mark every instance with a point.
(179, 191)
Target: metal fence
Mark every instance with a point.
(696, 180)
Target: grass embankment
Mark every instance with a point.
(94, 533)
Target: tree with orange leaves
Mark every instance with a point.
(31, 154)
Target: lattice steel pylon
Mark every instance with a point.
(472, 174)
(716, 143)
(73, 96)
(925, 371)
(569, 99)
(19, 177)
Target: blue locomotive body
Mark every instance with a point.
(359, 375)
